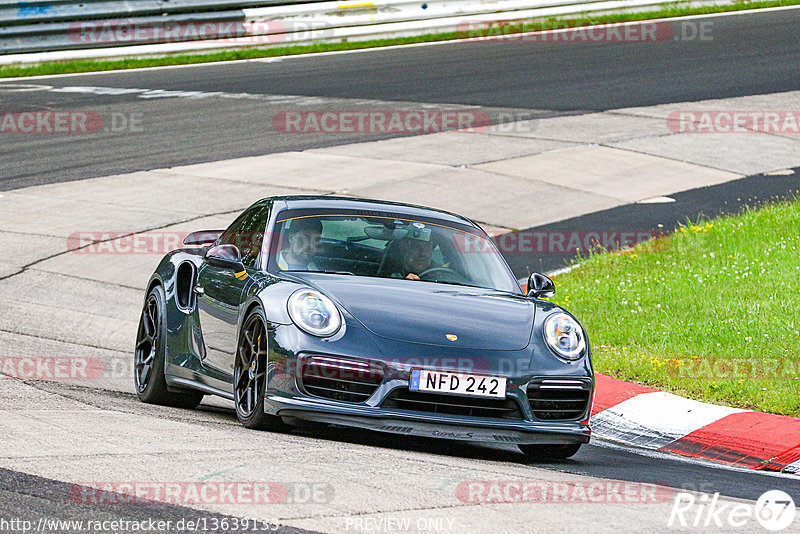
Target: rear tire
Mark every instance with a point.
(148, 357)
(549, 452)
(250, 375)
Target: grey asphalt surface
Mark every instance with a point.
(751, 54)
(31, 502)
(29, 498)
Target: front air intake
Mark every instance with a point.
(405, 399)
(339, 379)
(556, 399)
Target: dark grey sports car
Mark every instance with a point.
(368, 314)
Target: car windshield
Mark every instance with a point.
(388, 245)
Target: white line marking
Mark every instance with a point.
(656, 200)
(782, 172)
(392, 47)
(293, 100)
(22, 87)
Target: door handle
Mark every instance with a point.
(199, 290)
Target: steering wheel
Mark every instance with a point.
(442, 274)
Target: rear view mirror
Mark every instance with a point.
(385, 234)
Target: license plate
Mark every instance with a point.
(458, 383)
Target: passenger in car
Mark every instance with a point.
(302, 240)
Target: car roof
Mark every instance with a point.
(347, 203)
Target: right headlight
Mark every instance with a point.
(565, 336)
(314, 312)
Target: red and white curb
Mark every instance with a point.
(645, 417)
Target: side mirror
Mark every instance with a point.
(224, 256)
(540, 286)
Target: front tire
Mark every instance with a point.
(149, 354)
(250, 375)
(549, 452)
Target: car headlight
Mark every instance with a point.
(314, 312)
(565, 336)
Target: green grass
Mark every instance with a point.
(711, 311)
(667, 10)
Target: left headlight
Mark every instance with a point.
(565, 336)
(314, 312)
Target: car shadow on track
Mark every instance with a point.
(453, 448)
(218, 411)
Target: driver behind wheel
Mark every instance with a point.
(302, 237)
(416, 251)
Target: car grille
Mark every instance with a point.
(554, 399)
(405, 399)
(340, 379)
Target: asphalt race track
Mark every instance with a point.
(28, 498)
(31, 497)
(221, 111)
(747, 55)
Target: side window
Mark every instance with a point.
(247, 233)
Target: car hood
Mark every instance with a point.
(423, 312)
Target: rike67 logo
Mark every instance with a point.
(774, 511)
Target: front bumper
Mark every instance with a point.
(289, 395)
(426, 424)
